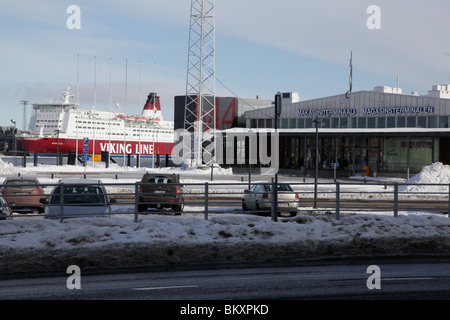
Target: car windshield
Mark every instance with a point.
(79, 194)
(22, 184)
(160, 180)
(281, 187)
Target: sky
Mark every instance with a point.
(261, 47)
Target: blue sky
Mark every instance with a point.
(262, 47)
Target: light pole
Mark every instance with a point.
(57, 147)
(277, 113)
(14, 134)
(248, 147)
(317, 161)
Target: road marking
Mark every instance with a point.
(167, 287)
(397, 279)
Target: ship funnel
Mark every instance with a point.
(152, 108)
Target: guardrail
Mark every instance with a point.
(336, 198)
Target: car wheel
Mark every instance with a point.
(293, 213)
(244, 206)
(142, 207)
(178, 208)
(258, 209)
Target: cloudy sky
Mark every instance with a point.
(262, 46)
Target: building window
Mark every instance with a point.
(411, 122)
(334, 122)
(352, 123)
(293, 123)
(381, 122)
(301, 123)
(309, 123)
(343, 123)
(324, 123)
(443, 122)
(362, 122)
(401, 122)
(390, 122)
(421, 122)
(432, 122)
(371, 122)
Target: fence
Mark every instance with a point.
(206, 198)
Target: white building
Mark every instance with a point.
(384, 129)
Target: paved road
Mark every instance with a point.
(418, 280)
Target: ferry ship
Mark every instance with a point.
(62, 127)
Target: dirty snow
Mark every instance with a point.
(42, 245)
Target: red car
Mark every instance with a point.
(23, 194)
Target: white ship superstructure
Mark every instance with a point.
(63, 126)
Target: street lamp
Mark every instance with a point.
(277, 113)
(57, 147)
(248, 147)
(14, 134)
(316, 121)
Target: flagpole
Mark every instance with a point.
(110, 103)
(138, 153)
(124, 118)
(95, 102)
(78, 102)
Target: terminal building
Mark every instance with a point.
(382, 131)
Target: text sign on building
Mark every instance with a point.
(398, 110)
(326, 112)
(365, 111)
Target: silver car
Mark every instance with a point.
(5, 209)
(80, 198)
(259, 197)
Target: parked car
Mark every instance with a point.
(80, 198)
(23, 194)
(160, 191)
(5, 210)
(259, 197)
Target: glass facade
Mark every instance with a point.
(422, 151)
(383, 154)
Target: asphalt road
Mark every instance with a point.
(403, 280)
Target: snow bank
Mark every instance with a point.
(437, 173)
(99, 167)
(45, 245)
(7, 169)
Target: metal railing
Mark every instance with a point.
(336, 199)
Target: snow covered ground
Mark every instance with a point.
(43, 245)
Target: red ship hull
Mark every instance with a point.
(42, 145)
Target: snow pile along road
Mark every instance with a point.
(7, 168)
(437, 173)
(45, 245)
